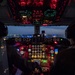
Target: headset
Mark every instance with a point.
(3, 30)
(70, 31)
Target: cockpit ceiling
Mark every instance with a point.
(67, 18)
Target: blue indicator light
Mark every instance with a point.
(56, 51)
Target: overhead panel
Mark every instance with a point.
(37, 12)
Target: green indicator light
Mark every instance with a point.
(52, 15)
(49, 13)
(52, 54)
(44, 61)
(61, 39)
(29, 61)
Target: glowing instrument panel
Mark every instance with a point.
(37, 12)
(39, 49)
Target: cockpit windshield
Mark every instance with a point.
(25, 30)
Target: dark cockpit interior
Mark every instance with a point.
(24, 12)
(36, 28)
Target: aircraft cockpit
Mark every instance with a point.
(36, 28)
(41, 48)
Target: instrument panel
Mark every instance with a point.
(37, 12)
(39, 49)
